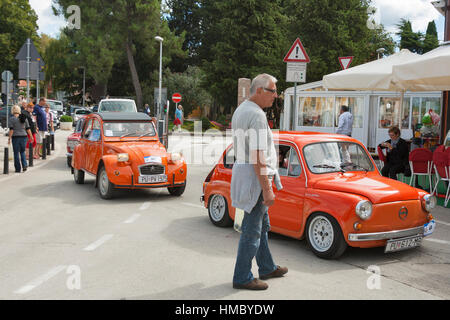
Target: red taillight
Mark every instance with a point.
(208, 177)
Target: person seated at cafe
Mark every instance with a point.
(397, 158)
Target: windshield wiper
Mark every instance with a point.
(146, 134)
(353, 166)
(127, 134)
(324, 166)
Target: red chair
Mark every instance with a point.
(441, 160)
(421, 164)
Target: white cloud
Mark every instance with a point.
(419, 12)
(47, 22)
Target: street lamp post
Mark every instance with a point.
(160, 39)
(380, 51)
(84, 84)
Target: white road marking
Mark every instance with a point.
(98, 243)
(145, 206)
(133, 218)
(441, 222)
(438, 241)
(38, 281)
(193, 205)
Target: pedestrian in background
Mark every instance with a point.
(49, 117)
(27, 110)
(251, 184)
(345, 125)
(147, 109)
(19, 128)
(178, 118)
(41, 121)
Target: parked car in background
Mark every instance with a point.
(95, 108)
(56, 106)
(80, 113)
(333, 195)
(3, 116)
(117, 105)
(122, 151)
(73, 140)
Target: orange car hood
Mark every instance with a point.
(376, 188)
(138, 151)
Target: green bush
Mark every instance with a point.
(205, 124)
(66, 118)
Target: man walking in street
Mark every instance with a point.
(345, 125)
(251, 184)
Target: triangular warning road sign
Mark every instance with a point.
(345, 62)
(297, 53)
(22, 54)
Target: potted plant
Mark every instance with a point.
(66, 122)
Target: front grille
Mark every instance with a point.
(152, 169)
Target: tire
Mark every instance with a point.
(105, 187)
(69, 162)
(324, 236)
(218, 211)
(78, 176)
(176, 191)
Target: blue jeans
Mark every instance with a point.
(19, 144)
(254, 243)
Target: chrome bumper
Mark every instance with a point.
(385, 235)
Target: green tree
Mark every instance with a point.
(430, 41)
(17, 23)
(242, 38)
(111, 30)
(408, 38)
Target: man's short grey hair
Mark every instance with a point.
(261, 81)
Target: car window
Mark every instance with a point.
(87, 130)
(288, 161)
(117, 106)
(328, 157)
(82, 111)
(295, 169)
(79, 125)
(95, 134)
(229, 159)
(129, 129)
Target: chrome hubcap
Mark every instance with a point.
(321, 234)
(217, 207)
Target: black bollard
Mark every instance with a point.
(6, 161)
(30, 154)
(44, 148)
(48, 145)
(53, 141)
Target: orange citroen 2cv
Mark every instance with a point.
(122, 151)
(333, 195)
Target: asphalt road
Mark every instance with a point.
(60, 240)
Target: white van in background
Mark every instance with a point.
(117, 105)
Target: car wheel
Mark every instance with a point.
(105, 187)
(176, 191)
(324, 236)
(218, 211)
(78, 176)
(69, 162)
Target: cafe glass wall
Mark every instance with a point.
(356, 105)
(315, 112)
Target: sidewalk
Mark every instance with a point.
(60, 148)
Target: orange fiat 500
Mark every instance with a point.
(122, 151)
(333, 195)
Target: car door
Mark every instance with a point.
(95, 146)
(287, 211)
(86, 145)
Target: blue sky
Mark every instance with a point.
(419, 12)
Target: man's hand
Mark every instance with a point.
(269, 197)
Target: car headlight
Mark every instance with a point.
(428, 202)
(122, 157)
(364, 209)
(175, 156)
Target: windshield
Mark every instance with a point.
(117, 106)
(55, 105)
(336, 156)
(81, 111)
(129, 129)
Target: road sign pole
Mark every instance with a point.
(28, 69)
(7, 104)
(294, 112)
(37, 89)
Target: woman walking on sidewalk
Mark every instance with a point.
(18, 130)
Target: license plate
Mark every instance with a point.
(403, 243)
(428, 228)
(157, 178)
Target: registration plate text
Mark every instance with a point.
(156, 178)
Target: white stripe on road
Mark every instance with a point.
(98, 243)
(193, 205)
(441, 222)
(145, 206)
(438, 241)
(133, 218)
(38, 281)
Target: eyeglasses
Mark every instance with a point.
(271, 90)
